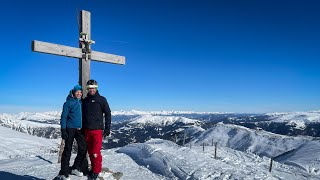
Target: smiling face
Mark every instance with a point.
(92, 91)
(78, 94)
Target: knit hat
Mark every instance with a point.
(76, 88)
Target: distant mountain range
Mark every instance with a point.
(140, 126)
(286, 137)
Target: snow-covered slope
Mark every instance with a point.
(297, 119)
(40, 117)
(163, 113)
(24, 119)
(39, 124)
(176, 162)
(30, 157)
(24, 156)
(245, 139)
(307, 157)
(16, 144)
(161, 120)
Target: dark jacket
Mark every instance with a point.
(93, 108)
(71, 116)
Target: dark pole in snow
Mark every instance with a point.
(184, 137)
(215, 150)
(270, 168)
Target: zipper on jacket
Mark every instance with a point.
(80, 113)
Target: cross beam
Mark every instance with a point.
(84, 52)
(61, 50)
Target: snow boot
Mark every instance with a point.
(62, 177)
(94, 176)
(76, 172)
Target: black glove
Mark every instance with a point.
(106, 132)
(64, 134)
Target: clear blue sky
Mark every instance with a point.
(235, 56)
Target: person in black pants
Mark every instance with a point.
(71, 124)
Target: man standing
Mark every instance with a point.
(93, 108)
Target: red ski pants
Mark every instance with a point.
(94, 143)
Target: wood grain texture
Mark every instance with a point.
(57, 49)
(108, 58)
(61, 50)
(84, 65)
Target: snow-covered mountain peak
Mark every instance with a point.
(297, 119)
(161, 120)
(163, 113)
(254, 141)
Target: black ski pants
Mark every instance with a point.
(80, 160)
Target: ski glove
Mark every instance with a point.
(106, 132)
(64, 134)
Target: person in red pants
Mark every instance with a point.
(93, 108)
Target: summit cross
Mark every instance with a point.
(84, 52)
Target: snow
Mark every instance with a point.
(176, 162)
(24, 156)
(297, 119)
(245, 139)
(16, 144)
(307, 157)
(25, 119)
(161, 120)
(163, 113)
(241, 150)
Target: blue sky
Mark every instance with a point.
(235, 56)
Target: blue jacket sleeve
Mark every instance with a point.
(64, 115)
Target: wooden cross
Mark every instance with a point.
(84, 52)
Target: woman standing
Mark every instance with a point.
(71, 124)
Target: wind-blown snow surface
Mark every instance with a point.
(307, 157)
(254, 141)
(23, 156)
(176, 162)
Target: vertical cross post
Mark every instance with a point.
(84, 63)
